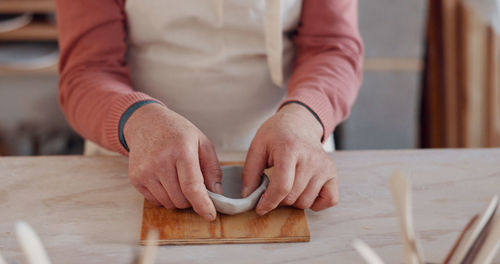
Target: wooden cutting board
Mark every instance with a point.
(184, 227)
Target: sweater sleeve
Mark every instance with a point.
(94, 86)
(328, 65)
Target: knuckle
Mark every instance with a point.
(212, 168)
(301, 205)
(167, 155)
(137, 177)
(191, 187)
(169, 207)
(153, 201)
(266, 205)
(255, 148)
(180, 202)
(282, 190)
(290, 199)
(134, 180)
(332, 201)
(185, 153)
(167, 204)
(293, 147)
(207, 144)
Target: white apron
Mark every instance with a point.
(219, 63)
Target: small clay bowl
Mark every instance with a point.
(231, 202)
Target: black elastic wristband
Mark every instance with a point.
(126, 115)
(310, 110)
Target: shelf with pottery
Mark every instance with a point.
(19, 6)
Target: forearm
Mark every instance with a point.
(328, 66)
(93, 102)
(95, 87)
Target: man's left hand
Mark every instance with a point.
(303, 175)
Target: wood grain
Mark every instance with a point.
(86, 211)
(184, 227)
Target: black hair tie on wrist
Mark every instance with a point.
(310, 110)
(126, 115)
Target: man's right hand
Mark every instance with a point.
(171, 161)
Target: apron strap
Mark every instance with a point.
(274, 40)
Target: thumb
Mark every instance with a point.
(210, 167)
(255, 164)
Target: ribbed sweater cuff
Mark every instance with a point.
(113, 119)
(320, 105)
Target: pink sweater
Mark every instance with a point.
(95, 87)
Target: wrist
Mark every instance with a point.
(304, 117)
(135, 118)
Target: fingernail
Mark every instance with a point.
(210, 217)
(260, 209)
(218, 188)
(244, 192)
(261, 212)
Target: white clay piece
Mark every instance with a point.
(231, 202)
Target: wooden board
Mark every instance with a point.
(184, 227)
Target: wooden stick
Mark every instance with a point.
(149, 252)
(401, 196)
(459, 240)
(473, 233)
(31, 244)
(366, 252)
(2, 260)
(491, 245)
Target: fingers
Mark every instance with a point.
(328, 196)
(302, 177)
(193, 187)
(148, 195)
(312, 190)
(157, 190)
(210, 167)
(280, 184)
(255, 164)
(170, 182)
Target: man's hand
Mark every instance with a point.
(304, 175)
(171, 161)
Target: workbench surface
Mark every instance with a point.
(86, 211)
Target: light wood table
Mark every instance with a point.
(85, 210)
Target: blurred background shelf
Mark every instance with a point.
(371, 64)
(19, 6)
(39, 31)
(393, 64)
(49, 71)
